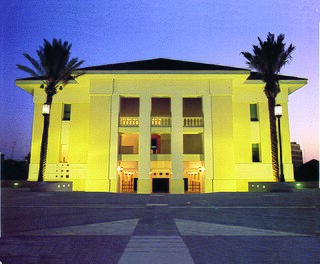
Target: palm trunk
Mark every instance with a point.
(273, 138)
(44, 141)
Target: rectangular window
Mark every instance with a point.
(254, 112)
(256, 153)
(64, 150)
(66, 112)
(192, 144)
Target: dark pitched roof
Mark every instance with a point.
(162, 64)
(38, 78)
(257, 76)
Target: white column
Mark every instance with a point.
(208, 146)
(114, 134)
(144, 182)
(176, 184)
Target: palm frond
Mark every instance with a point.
(54, 63)
(71, 66)
(27, 70)
(269, 56)
(35, 63)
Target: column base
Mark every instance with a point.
(176, 186)
(113, 185)
(144, 186)
(208, 186)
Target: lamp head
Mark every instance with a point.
(46, 109)
(278, 110)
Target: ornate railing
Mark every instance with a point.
(193, 121)
(161, 121)
(129, 121)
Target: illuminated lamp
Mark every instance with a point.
(278, 111)
(46, 109)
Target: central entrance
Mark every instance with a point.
(160, 185)
(160, 174)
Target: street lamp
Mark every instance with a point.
(278, 114)
(46, 109)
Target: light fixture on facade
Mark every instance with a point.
(46, 109)
(120, 169)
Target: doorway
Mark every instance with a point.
(160, 185)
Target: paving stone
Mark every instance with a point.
(156, 250)
(205, 228)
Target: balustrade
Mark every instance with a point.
(129, 121)
(193, 121)
(161, 121)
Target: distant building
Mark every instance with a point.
(308, 171)
(160, 125)
(297, 156)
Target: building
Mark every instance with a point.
(297, 157)
(160, 125)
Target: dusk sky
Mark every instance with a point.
(209, 31)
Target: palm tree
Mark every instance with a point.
(54, 68)
(268, 58)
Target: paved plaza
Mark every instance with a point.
(77, 227)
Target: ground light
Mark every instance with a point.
(278, 114)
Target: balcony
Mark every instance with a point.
(193, 121)
(161, 121)
(129, 121)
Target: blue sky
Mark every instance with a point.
(211, 31)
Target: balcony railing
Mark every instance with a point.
(129, 121)
(161, 121)
(193, 121)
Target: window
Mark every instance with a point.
(154, 145)
(256, 153)
(254, 112)
(66, 112)
(64, 150)
(192, 144)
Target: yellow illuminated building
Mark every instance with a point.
(160, 125)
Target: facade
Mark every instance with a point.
(297, 157)
(160, 125)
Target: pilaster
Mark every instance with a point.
(207, 141)
(113, 160)
(177, 185)
(144, 182)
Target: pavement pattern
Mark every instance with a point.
(76, 227)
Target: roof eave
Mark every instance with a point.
(182, 72)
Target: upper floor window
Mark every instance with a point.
(192, 107)
(66, 112)
(254, 114)
(256, 153)
(129, 107)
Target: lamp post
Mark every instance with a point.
(278, 114)
(44, 141)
